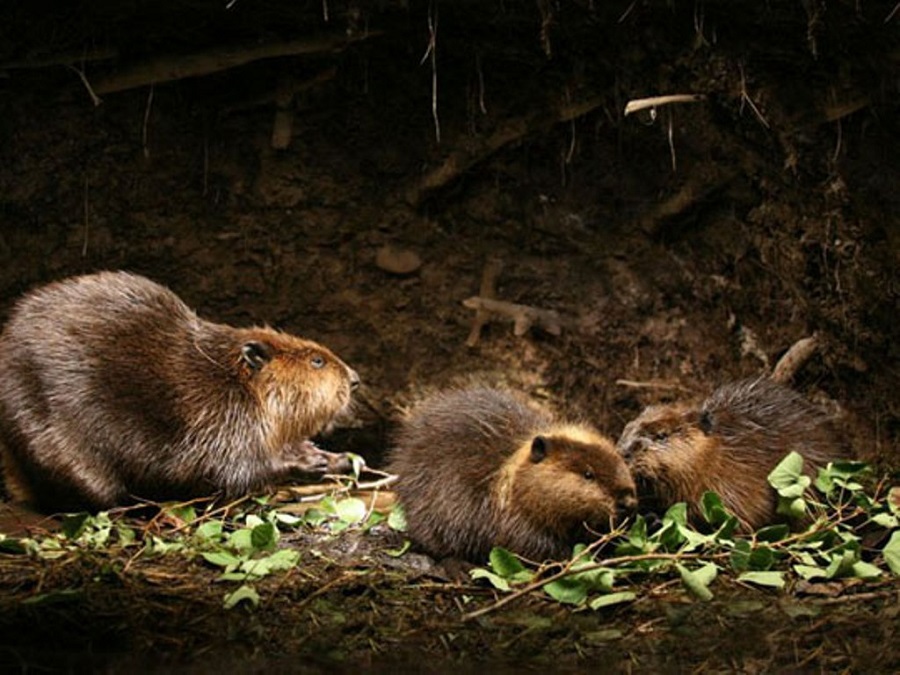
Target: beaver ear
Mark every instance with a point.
(256, 354)
(538, 449)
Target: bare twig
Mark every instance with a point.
(638, 104)
(522, 316)
(169, 68)
(794, 358)
(489, 275)
(652, 384)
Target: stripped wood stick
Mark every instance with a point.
(637, 104)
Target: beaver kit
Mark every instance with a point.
(728, 444)
(111, 388)
(480, 467)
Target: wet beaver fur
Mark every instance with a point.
(111, 388)
(480, 467)
(727, 444)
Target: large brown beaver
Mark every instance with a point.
(480, 467)
(727, 444)
(112, 388)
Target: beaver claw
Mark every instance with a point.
(309, 459)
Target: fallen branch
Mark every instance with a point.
(169, 68)
(488, 290)
(522, 316)
(794, 358)
(461, 160)
(638, 104)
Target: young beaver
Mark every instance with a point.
(728, 444)
(480, 467)
(112, 388)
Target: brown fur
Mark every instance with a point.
(112, 388)
(480, 467)
(728, 444)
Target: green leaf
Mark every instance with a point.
(185, 513)
(505, 563)
(288, 519)
(893, 500)
(241, 540)
(351, 510)
(713, 510)
(569, 590)
(697, 581)
(397, 552)
(264, 537)
(773, 533)
(761, 558)
(243, 594)
(808, 572)
(792, 507)
(496, 580)
(886, 520)
(222, 559)
(11, 545)
(677, 513)
(74, 524)
(609, 599)
(770, 579)
(279, 561)
(864, 570)
(841, 564)
(397, 519)
(211, 530)
(740, 555)
(891, 553)
(787, 472)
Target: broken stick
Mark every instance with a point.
(522, 316)
(168, 68)
(794, 358)
(492, 269)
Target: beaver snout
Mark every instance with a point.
(626, 503)
(354, 379)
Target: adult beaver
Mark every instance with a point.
(111, 388)
(727, 444)
(480, 467)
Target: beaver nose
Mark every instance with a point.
(354, 379)
(626, 503)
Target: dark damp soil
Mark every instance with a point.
(682, 246)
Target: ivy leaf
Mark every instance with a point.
(787, 472)
(770, 579)
(397, 552)
(397, 519)
(893, 500)
(612, 599)
(697, 581)
(222, 559)
(495, 580)
(245, 593)
(508, 566)
(891, 553)
(211, 531)
(74, 524)
(864, 570)
(351, 510)
(264, 537)
(570, 590)
(773, 533)
(809, 572)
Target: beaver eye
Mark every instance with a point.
(660, 437)
(317, 362)
(589, 475)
